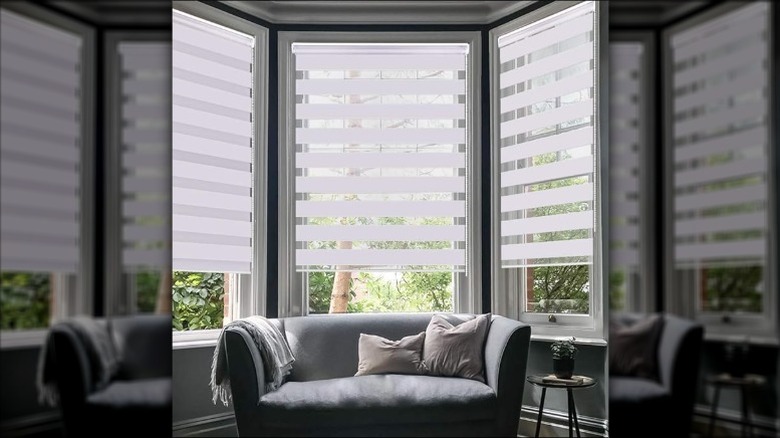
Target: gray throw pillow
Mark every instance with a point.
(456, 351)
(633, 349)
(377, 355)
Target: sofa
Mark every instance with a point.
(322, 397)
(664, 406)
(137, 399)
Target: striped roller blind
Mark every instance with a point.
(212, 146)
(380, 156)
(626, 60)
(720, 138)
(40, 146)
(146, 151)
(547, 140)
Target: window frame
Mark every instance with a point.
(84, 290)
(505, 301)
(293, 296)
(645, 300)
(755, 328)
(251, 299)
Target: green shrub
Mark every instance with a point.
(198, 300)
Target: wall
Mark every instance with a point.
(193, 410)
(19, 408)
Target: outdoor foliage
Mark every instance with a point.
(733, 289)
(198, 300)
(147, 284)
(413, 292)
(24, 300)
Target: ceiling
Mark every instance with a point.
(157, 13)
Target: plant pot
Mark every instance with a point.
(563, 368)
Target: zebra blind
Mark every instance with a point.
(547, 136)
(626, 75)
(212, 146)
(146, 151)
(40, 146)
(720, 138)
(380, 156)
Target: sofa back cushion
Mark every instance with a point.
(326, 346)
(143, 346)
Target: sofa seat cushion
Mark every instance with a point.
(377, 399)
(636, 390)
(133, 394)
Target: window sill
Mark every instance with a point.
(195, 339)
(30, 338)
(577, 340)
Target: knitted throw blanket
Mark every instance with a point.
(274, 350)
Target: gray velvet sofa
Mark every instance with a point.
(323, 398)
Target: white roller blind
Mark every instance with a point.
(40, 146)
(380, 156)
(625, 144)
(146, 152)
(212, 146)
(720, 138)
(547, 140)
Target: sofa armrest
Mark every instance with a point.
(247, 376)
(73, 374)
(506, 356)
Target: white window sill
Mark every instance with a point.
(577, 340)
(195, 338)
(30, 338)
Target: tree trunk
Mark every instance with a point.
(163, 305)
(339, 297)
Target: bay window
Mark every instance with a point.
(547, 185)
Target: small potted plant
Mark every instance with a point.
(563, 352)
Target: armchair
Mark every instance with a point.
(137, 399)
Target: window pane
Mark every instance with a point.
(213, 169)
(199, 300)
(721, 157)
(626, 144)
(548, 159)
(383, 292)
(380, 175)
(25, 300)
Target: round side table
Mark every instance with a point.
(745, 384)
(545, 381)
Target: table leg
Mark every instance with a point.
(747, 426)
(541, 408)
(574, 412)
(714, 410)
(568, 399)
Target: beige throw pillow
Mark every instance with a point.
(377, 355)
(456, 351)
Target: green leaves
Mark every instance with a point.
(24, 300)
(198, 300)
(563, 349)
